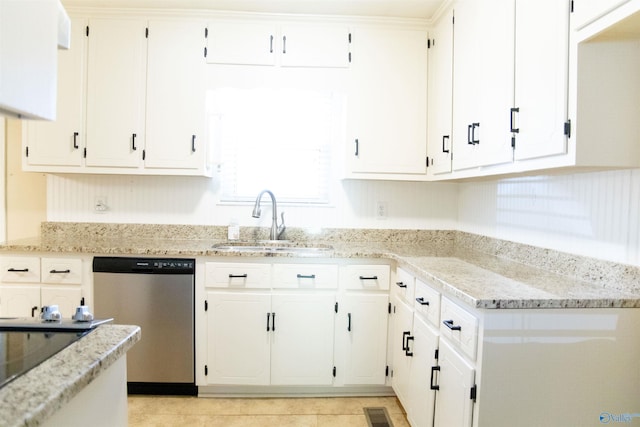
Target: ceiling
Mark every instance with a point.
(423, 9)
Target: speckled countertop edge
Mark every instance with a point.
(33, 397)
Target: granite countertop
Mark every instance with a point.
(33, 397)
(476, 278)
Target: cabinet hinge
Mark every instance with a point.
(389, 308)
(349, 57)
(26, 151)
(349, 37)
(206, 33)
(84, 152)
(571, 6)
(205, 51)
(206, 305)
(472, 394)
(146, 32)
(87, 31)
(386, 371)
(453, 20)
(206, 370)
(428, 43)
(427, 161)
(144, 154)
(334, 372)
(567, 128)
(436, 354)
(335, 308)
(513, 142)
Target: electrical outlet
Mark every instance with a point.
(381, 210)
(100, 205)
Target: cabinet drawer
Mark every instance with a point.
(459, 326)
(237, 275)
(404, 286)
(307, 276)
(62, 270)
(20, 269)
(427, 302)
(365, 277)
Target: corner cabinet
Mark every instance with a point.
(143, 109)
(387, 104)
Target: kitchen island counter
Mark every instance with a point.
(31, 399)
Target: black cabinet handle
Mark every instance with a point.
(401, 284)
(133, 142)
(82, 301)
(33, 310)
(421, 301)
(405, 334)
(60, 271)
(193, 143)
(431, 385)
(449, 324)
(444, 149)
(273, 321)
(469, 134)
(238, 276)
(75, 140)
(357, 147)
(306, 276)
(18, 270)
(511, 120)
(474, 141)
(368, 277)
(349, 322)
(408, 351)
(268, 319)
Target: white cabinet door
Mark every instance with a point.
(362, 327)
(402, 329)
(586, 11)
(314, 45)
(454, 405)
(175, 104)
(542, 64)
(423, 348)
(482, 82)
(241, 43)
(303, 334)
(67, 298)
(440, 95)
(61, 142)
(387, 105)
(238, 338)
(20, 301)
(116, 69)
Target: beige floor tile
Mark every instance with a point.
(166, 420)
(342, 421)
(262, 421)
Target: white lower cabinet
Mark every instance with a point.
(454, 401)
(28, 283)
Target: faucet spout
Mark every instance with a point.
(276, 231)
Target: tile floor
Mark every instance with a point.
(156, 411)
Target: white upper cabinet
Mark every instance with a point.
(308, 44)
(175, 105)
(61, 143)
(440, 95)
(482, 82)
(116, 92)
(541, 75)
(387, 105)
(241, 43)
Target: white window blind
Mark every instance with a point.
(276, 139)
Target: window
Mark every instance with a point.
(276, 139)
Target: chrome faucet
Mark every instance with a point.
(276, 231)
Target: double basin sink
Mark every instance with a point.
(274, 247)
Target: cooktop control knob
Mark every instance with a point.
(82, 314)
(50, 313)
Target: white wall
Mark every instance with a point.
(189, 200)
(594, 214)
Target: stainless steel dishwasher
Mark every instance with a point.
(156, 294)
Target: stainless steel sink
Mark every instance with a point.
(273, 247)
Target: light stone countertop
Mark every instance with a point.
(33, 397)
(466, 270)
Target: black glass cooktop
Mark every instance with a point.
(24, 350)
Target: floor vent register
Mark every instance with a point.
(377, 417)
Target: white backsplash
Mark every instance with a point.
(190, 200)
(593, 214)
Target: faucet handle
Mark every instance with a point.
(281, 227)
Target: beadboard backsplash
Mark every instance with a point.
(595, 214)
